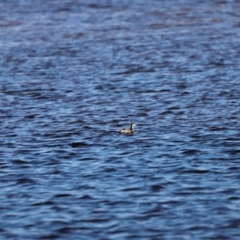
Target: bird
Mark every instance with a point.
(128, 130)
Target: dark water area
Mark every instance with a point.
(73, 73)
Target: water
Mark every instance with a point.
(73, 73)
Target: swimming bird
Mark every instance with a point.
(128, 130)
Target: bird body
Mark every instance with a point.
(128, 130)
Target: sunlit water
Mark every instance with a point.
(73, 73)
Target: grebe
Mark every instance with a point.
(128, 130)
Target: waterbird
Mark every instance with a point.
(128, 130)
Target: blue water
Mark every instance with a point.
(73, 73)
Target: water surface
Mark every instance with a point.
(73, 73)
